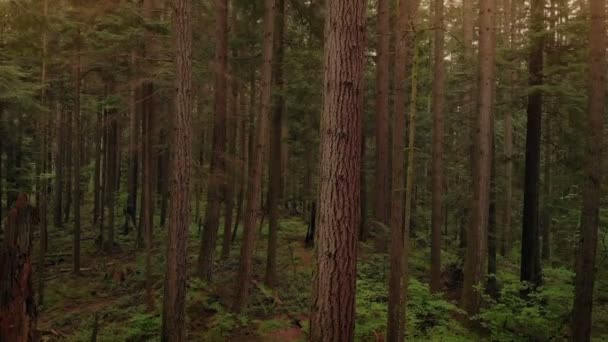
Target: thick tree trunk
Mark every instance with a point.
(438, 141)
(17, 299)
(530, 240)
(587, 248)
(333, 316)
(174, 315)
(217, 169)
(382, 193)
(276, 153)
(476, 250)
(253, 210)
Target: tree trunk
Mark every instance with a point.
(587, 249)
(174, 315)
(43, 205)
(17, 301)
(530, 241)
(476, 249)
(546, 211)
(217, 169)
(492, 284)
(59, 163)
(77, 155)
(396, 313)
(438, 141)
(382, 193)
(231, 128)
(68, 151)
(253, 210)
(276, 153)
(333, 316)
(97, 184)
(134, 122)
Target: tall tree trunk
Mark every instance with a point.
(382, 193)
(134, 122)
(276, 145)
(217, 169)
(97, 184)
(111, 174)
(507, 235)
(253, 211)
(59, 165)
(587, 249)
(174, 315)
(403, 30)
(468, 110)
(333, 316)
(438, 141)
(530, 240)
(68, 151)
(492, 283)
(77, 155)
(546, 211)
(43, 205)
(476, 249)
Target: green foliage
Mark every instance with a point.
(540, 317)
(143, 327)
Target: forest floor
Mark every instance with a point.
(110, 290)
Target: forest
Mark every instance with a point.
(303, 170)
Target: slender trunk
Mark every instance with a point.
(546, 211)
(217, 169)
(131, 205)
(59, 163)
(333, 316)
(492, 284)
(588, 237)
(97, 173)
(276, 153)
(111, 175)
(68, 151)
(476, 249)
(382, 193)
(438, 141)
(77, 155)
(405, 37)
(253, 210)
(530, 241)
(43, 205)
(174, 316)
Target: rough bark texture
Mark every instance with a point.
(396, 314)
(217, 169)
(382, 193)
(276, 149)
(17, 301)
(438, 141)
(476, 250)
(587, 250)
(174, 315)
(253, 210)
(339, 212)
(231, 164)
(530, 240)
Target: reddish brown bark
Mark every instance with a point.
(217, 169)
(476, 251)
(587, 249)
(253, 210)
(174, 315)
(339, 212)
(17, 301)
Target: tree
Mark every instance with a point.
(217, 170)
(333, 316)
(276, 149)
(476, 250)
(382, 193)
(530, 240)
(588, 236)
(438, 141)
(77, 154)
(174, 316)
(396, 311)
(253, 210)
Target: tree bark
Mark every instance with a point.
(174, 316)
(530, 241)
(382, 193)
(339, 210)
(396, 313)
(134, 123)
(77, 155)
(59, 166)
(438, 141)
(276, 149)
(217, 170)
(476, 249)
(253, 210)
(588, 236)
